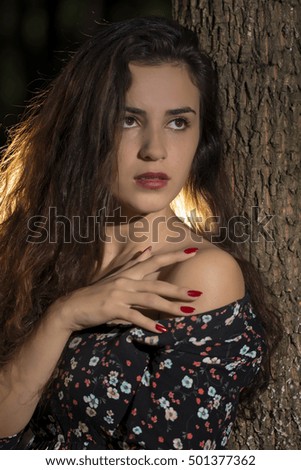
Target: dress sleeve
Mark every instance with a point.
(189, 391)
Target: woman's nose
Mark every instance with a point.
(152, 146)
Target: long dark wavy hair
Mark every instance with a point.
(64, 152)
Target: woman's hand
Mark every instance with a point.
(119, 296)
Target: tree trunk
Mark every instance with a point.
(256, 47)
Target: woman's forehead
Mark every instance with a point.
(166, 85)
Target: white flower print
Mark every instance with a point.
(126, 387)
(216, 401)
(109, 419)
(224, 441)
(137, 430)
(211, 360)
(113, 393)
(177, 443)
(229, 320)
(163, 402)
(152, 340)
(201, 342)
(187, 382)
(61, 395)
(75, 342)
(211, 391)
(232, 365)
(73, 363)
(203, 413)
(234, 340)
(168, 363)
(91, 400)
(244, 349)
(146, 378)
(68, 379)
(90, 412)
(113, 373)
(83, 427)
(228, 407)
(206, 318)
(209, 445)
(138, 332)
(113, 381)
(251, 354)
(236, 309)
(113, 377)
(60, 441)
(170, 414)
(93, 361)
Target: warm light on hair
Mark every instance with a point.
(10, 171)
(195, 214)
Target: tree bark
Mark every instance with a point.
(256, 48)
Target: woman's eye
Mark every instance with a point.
(179, 124)
(129, 122)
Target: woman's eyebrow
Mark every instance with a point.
(170, 112)
(184, 110)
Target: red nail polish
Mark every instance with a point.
(185, 309)
(190, 250)
(161, 328)
(194, 293)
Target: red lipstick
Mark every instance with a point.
(151, 180)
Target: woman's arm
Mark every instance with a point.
(24, 378)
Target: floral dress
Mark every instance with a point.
(122, 387)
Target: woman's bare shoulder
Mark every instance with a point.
(214, 272)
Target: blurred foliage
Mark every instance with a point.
(37, 35)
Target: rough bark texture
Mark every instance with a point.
(256, 46)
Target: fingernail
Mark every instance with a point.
(190, 250)
(160, 328)
(194, 293)
(185, 309)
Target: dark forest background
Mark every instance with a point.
(36, 37)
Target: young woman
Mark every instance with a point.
(123, 325)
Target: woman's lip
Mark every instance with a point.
(153, 176)
(151, 183)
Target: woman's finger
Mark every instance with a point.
(162, 288)
(131, 316)
(156, 303)
(142, 321)
(155, 262)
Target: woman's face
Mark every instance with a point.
(160, 134)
